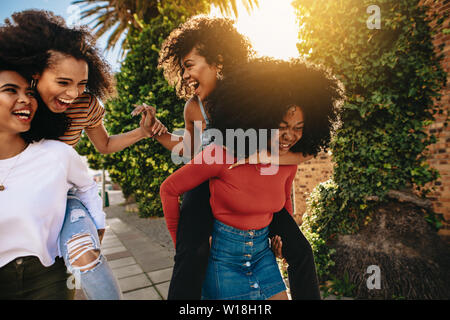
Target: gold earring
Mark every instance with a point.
(219, 75)
(33, 84)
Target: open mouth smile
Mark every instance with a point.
(63, 104)
(24, 115)
(194, 85)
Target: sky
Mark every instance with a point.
(62, 8)
(272, 28)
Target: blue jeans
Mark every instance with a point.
(78, 237)
(241, 265)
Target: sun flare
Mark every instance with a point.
(271, 28)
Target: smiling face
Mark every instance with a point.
(291, 129)
(61, 83)
(17, 103)
(198, 74)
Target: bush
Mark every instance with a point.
(140, 169)
(391, 76)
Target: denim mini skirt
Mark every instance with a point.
(241, 265)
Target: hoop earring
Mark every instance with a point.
(33, 84)
(219, 75)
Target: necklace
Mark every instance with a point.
(2, 184)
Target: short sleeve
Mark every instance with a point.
(96, 113)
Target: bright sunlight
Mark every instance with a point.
(271, 28)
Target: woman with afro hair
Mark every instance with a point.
(70, 76)
(36, 172)
(300, 101)
(195, 58)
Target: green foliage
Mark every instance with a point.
(339, 287)
(141, 168)
(391, 76)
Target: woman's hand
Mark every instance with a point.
(149, 124)
(276, 245)
(101, 233)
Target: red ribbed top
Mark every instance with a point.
(240, 197)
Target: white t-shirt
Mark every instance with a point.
(32, 207)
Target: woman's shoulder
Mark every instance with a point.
(192, 110)
(54, 145)
(54, 149)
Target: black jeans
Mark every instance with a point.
(192, 249)
(26, 278)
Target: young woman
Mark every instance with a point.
(70, 77)
(194, 57)
(35, 176)
(263, 94)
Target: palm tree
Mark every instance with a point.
(120, 15)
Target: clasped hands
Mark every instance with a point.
(149, 124)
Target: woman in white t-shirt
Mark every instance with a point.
(35, 175)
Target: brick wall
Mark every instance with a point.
(309, 175)
(321, 168)
(440, 152)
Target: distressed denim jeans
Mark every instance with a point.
(79, 237)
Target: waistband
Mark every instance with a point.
(238, 233)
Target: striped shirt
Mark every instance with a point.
(85, 112)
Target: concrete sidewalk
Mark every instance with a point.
(139, 254)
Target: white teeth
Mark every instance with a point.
(65, 101)
(193, 84)
(23, 113)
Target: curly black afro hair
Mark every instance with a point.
(216, 39)
(45, 124)
(31, 38)
(258, 94)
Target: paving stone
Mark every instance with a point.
(119, 263)
(143, 294)
(111, 243)
(114, 250)
(154, 261)
(134, 282)
(127, 271)
(163, 289)
(160, 275)
(118, 226)
(118, 255)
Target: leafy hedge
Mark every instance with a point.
(391, 76)
(140, 169)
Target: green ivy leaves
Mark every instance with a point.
(392, 77)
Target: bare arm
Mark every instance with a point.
(294, 158)
(171, 140)
(148, 127)
(290, 158)
(110, 144)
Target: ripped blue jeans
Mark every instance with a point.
(80, 248)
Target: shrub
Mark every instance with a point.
(141, 168)
(392, 76)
